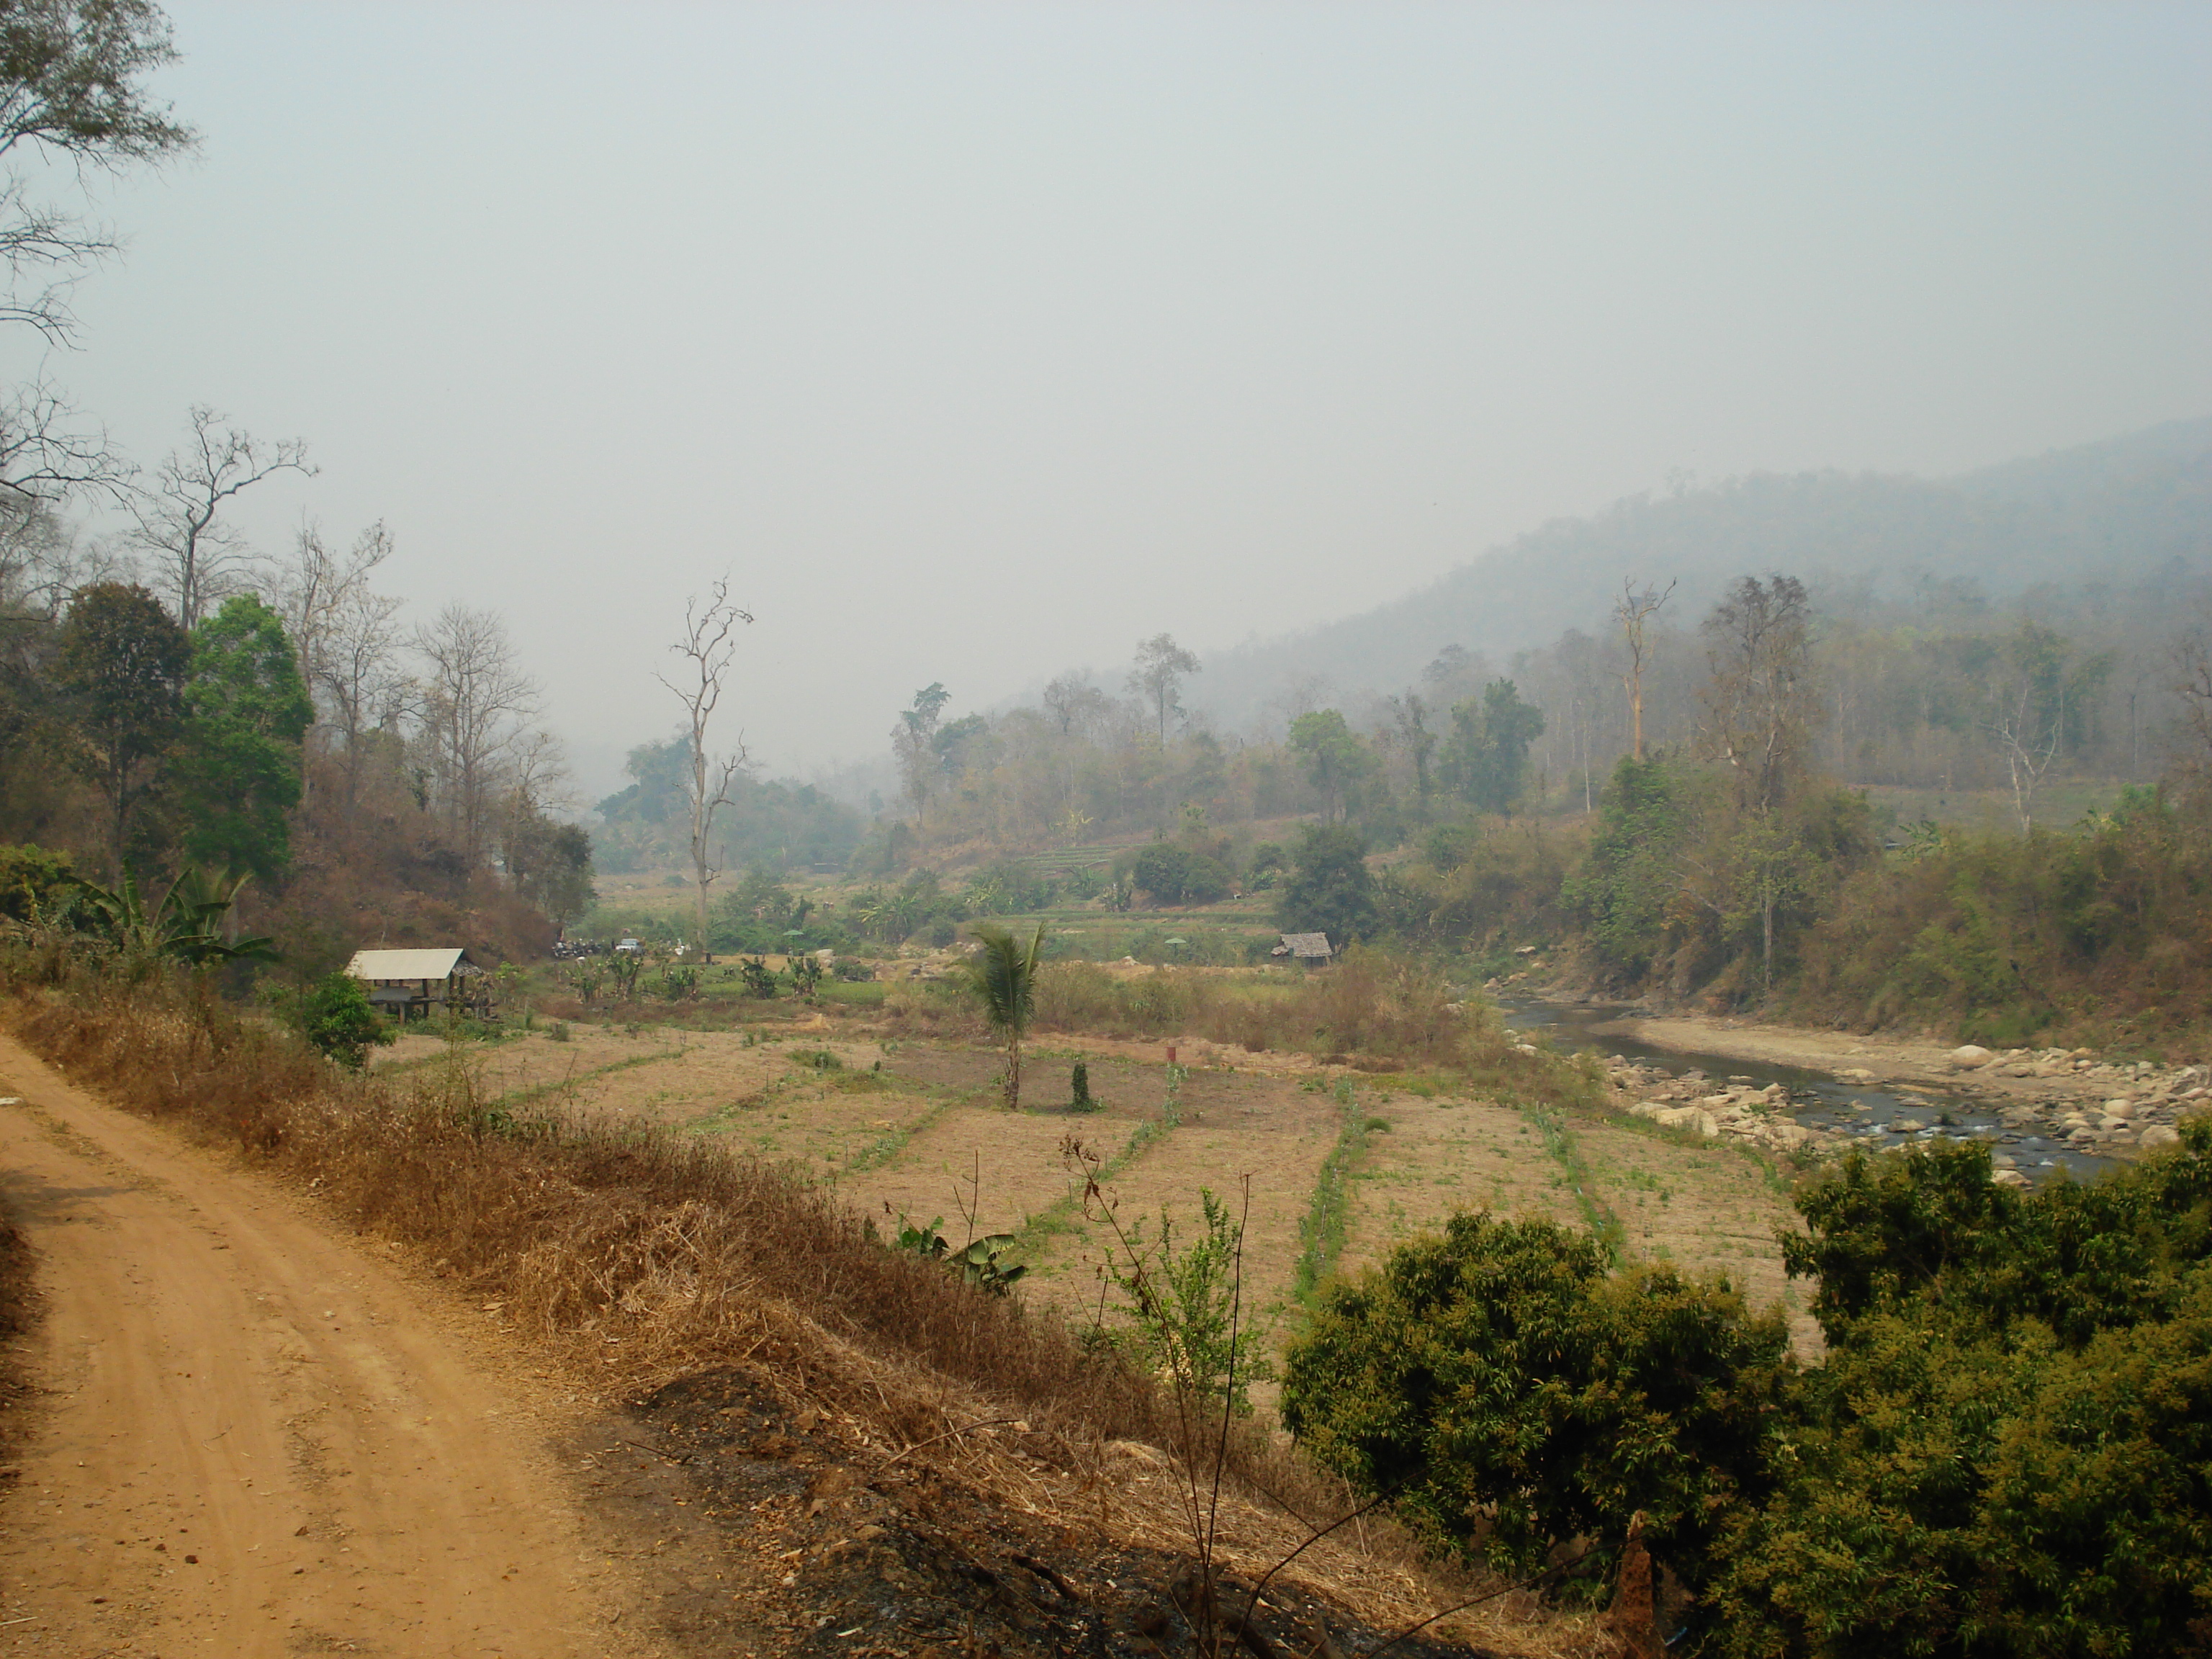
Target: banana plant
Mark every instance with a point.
(184, 927)
(977, 1264)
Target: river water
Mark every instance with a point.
(1879, 1116)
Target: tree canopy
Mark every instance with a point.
(246, 713)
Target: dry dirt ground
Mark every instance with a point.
(248, 1437)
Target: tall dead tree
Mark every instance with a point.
(708, 648)
(475, 699)
(1634, 611)
(179, 517)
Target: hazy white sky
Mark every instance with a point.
(979, 341)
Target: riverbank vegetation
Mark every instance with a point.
(2002, 1452)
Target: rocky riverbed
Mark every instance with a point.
(2038, 1101)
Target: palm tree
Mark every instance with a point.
(1003, 975)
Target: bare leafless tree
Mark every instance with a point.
(2037, 687)
(180, 514)
(2191, 661)
(1634, 611)
(1760, 702)
(43, 561)
(708, 646)
(475, 700)
(1077, 709)
(49, 453)
(344, 633)
(72, 94)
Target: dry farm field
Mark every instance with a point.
(1341, 1166)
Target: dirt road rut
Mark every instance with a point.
(254, 1440)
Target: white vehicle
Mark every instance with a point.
(631, 947)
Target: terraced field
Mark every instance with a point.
(1341, 1168)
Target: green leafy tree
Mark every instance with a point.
(1003, 975)
(1515, 1394)
(35, 885)
(1486, 756)
(913, 745)
(1629, 886)
(121, 661)
(961, 745)
(1339, 766)
(1409, 716)
(1175, 875)
(246, 713)
(337, 1017)
(655, 795)
(551, 865)
(1330, 889)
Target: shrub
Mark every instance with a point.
(36, 883)
(1516, 1394)
(1383, 1011)
(2005, 1452)
(2006, 936)
(336, 1018)
(1183, 1312)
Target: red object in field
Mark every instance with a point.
(1171, 1053)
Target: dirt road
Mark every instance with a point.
(255, 1439)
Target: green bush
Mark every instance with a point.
(1516, 1394)
(336, 1018)
(2006, 1454)
(2004, 937)
(1183, 1315)
(2008, 1450)
(979, 1262)
(36, 883)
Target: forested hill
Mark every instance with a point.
(2124, 511)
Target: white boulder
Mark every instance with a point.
(1970, 1057)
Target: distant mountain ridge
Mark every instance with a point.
(2121, 511)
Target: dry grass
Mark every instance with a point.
(641, 1255)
